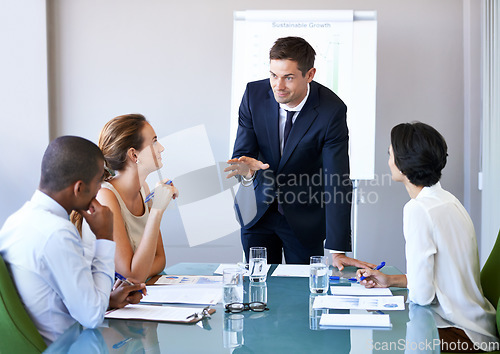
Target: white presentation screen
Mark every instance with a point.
(345, 42)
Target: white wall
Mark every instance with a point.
(24, 102)
(172, 62)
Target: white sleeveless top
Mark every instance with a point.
(134, 225)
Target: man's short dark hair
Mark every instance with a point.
(296, 49)
(68, 159)
(420, 152)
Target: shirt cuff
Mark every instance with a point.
(104, 248)
(246, 182)
(335, 251)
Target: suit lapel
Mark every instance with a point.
(272, 124)
(304, 120)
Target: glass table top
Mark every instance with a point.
(290, 326)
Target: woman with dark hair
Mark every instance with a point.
(131, 151)
(441, 248)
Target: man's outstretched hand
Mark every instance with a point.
(244, 166)
(340, 260)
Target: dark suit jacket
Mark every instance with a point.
(311, 179)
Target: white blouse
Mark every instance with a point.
(443, 263)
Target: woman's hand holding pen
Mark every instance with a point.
(376, 279)
(163, 194)
(125, 293)
(373, 278)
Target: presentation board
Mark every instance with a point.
(345, 42)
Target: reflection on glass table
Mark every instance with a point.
(290, 325)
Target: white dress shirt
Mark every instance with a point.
(443, 263)
(44, 254)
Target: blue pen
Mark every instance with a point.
(380, 266)
(121, 343)
(152, 194)
(122, 278)
(334, 277)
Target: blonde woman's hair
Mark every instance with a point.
(116, 138)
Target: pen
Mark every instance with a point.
(121, 343)
(122, 278)
(380, 266)
(152, 194)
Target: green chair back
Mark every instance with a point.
(489, 274)
(19, 334)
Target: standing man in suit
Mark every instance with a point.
(292, 148)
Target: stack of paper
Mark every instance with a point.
(358, 290)
(355, 320)
(156, 313)
(292, 270)
(360, 303)
(188, 279)
(221, 267)
(183, 294)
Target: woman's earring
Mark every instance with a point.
(401, 172)
(137, 161)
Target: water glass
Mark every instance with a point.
(257, 267)
(318, 276)
(232, 279)
(258, 292)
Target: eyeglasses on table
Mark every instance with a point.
(256, 306)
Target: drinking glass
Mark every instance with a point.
(232, 279)
(318, 276)
(257, 267)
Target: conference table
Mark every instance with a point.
(291, 325)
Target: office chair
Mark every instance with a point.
(19, 334)
(489, 274)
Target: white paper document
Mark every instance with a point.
(359, 291)
(292, 270)
(221, 267)
(188, 279)
(183, 294)
(360, 303)
(154, 313)
(354, 320)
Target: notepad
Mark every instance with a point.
(355, 320)
(158, 313)
(360, 303)
(183, 294)
(359, 291)
(188, 279)
(292, 270)
(221, 267)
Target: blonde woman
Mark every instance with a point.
(131, 151)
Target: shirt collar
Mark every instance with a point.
(429, 190)
(297, 108)
(49, 204)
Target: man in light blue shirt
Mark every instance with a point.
(43, 249)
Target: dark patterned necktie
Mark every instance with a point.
(288, 127)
